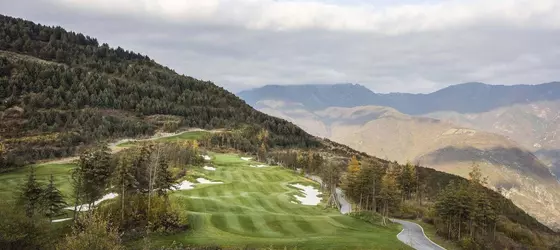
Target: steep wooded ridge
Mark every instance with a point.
(60, 90)
(387, 133)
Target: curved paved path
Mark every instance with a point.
(413, 235)
(345, 206)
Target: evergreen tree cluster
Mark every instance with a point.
(140, 177)
(38, 200)
(64, 85)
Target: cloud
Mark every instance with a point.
(410, 46)
(297, 15)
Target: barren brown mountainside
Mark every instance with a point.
(534, 126)
(387, 133)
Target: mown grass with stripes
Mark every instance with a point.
(253, 207)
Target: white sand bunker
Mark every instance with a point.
(258, 166)
(184, 185)
(60, 220)
(209, 168)
(206, 181)
(246, 158)
(311, 195)
(86, 207)
(206, 157)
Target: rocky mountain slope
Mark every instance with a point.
(536, 126)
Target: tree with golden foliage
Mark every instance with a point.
(195, 144)
(350, 182)
(389, 192)
(354, 165)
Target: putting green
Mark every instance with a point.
(253, 207)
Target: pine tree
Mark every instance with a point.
(124, 178)
(52, 200)
(30, 195)
(92, 175)
(407, 180)
(164, 180)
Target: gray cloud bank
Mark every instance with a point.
(409, 47)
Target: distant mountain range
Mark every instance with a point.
(502, 128)
(462, 98)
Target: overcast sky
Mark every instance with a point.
(386, 45)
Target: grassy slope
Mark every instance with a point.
(11, 181)
(253, 207)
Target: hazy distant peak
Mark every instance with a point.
(471, 97)
(312, 96)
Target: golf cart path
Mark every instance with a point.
(345, 206)
(413, 235)
(114, 149)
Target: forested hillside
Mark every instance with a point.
(62, 89)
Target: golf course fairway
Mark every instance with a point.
(255, 207)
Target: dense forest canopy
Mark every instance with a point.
(64, 89)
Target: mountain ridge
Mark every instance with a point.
(463, 98)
